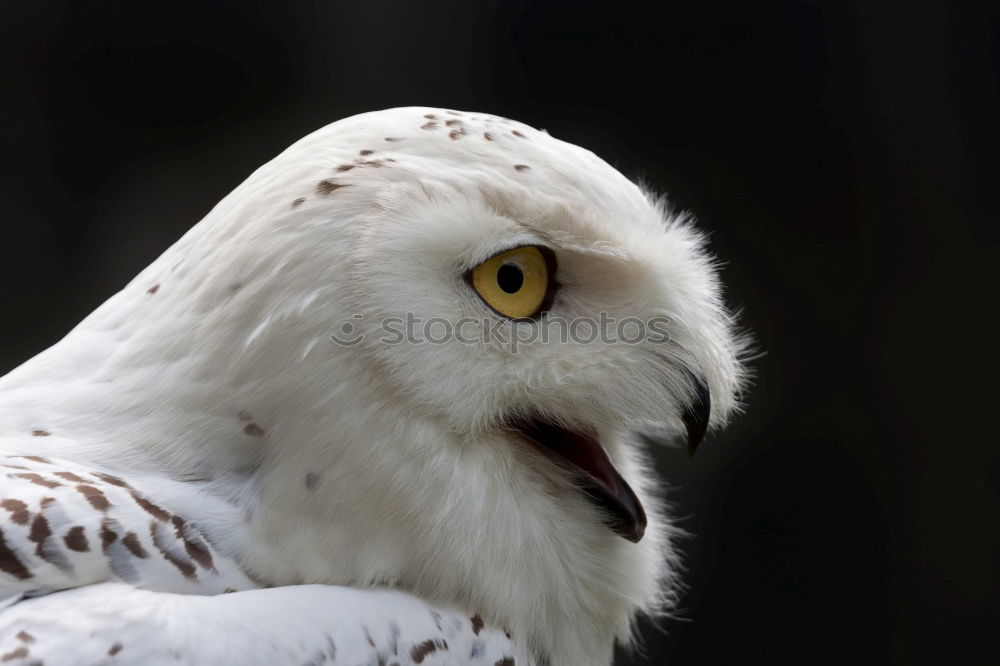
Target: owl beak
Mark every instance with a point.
(695, 419)
(582, 454)
(696, 415)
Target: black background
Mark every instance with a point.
(841, 154)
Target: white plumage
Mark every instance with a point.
(203, 433)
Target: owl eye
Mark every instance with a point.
(518, 283)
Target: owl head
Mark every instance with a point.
(447, 330)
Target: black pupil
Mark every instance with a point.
(510, 278)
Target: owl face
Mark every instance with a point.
(552, 309)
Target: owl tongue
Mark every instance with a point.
(585, 456)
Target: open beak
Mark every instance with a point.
(582, 454)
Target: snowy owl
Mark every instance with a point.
(386, 403)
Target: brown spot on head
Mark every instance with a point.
(19, 513)
(152, 290)
(25, 637)
(455, 133)
(19, 653)
(393, 138)
(506, 661)
(477, 624)
(430, 116)
(420, 651)
(76, 539)
(453, 122)
(429, 125)
(40, 433)
(253, 430)
(94, 496)
(454, 113)
(345, 167)
(38, 459)
(327, 186)
(487, 136)
(114, 649)
(365, 153)
(312, 480)
(518, 134)
(521, 167)
(298, 202)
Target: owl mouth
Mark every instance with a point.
(580, 453)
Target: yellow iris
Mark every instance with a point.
(514, 283)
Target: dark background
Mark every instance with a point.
(841, 154)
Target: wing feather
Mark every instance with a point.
(302, 625)
(63, 525)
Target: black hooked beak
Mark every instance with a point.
(696, 415)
